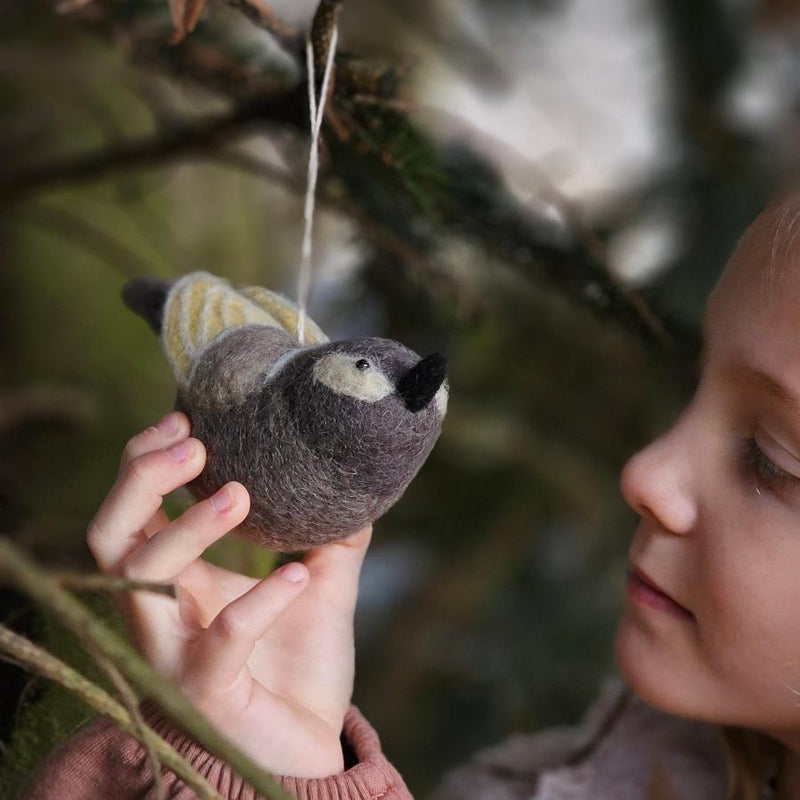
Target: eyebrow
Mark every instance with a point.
(765, 382)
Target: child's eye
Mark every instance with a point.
(767, 472)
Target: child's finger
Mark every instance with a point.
(221, 653)
(168, 431)
(172, 555)
(335, 568)
(174, 548)
(118, 526)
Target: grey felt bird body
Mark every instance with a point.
(325, 436)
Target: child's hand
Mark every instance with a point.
(269, 662)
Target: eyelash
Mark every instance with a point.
(767, 472)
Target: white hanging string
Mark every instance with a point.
(316, 113)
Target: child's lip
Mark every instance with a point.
(644, 589)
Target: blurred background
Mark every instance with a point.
(545, 191)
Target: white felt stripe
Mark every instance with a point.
(233, 311)
(285, 313)
(209, 319)
(281, 362)
(441, 397)
(174, 332)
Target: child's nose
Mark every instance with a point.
(657, 482)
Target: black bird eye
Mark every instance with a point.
(362, 364)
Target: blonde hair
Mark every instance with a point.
(753, 758)
(785, 230)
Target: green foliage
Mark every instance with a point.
(47, 714)
(240, 555)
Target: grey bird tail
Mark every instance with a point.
(146, 297)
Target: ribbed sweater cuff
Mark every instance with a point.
(372, 777)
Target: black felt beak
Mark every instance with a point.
(418, 386)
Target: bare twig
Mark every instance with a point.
(181, 141)
(18, 570)
(70, 6)
(83, 234)
(383, 239)
(25, 404)
(36, 659)
(109, 583)
(131, 703)
(252, 165)
(322, 26)
(263, 16)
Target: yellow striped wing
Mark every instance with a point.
(198, 309)
(285, 312)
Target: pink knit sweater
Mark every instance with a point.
(103, 763)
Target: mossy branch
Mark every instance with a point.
(131, 703)
(80, 582)
(34, 658)
(21, 572)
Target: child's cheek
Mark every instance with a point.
(747, 628)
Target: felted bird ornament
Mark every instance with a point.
(324, 435)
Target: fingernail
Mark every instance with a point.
(222, 500)
(169, 424)
(293, 572)
(180, 451)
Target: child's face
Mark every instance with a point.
(719, 499)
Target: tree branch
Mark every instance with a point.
(178, 142)
(28, 655)
(83, 234)
(264, 17)
(380, 237)
(109, 583)
(131, 703)
(19, 571)
(395, 177)
(325, 19)
(26, 404)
